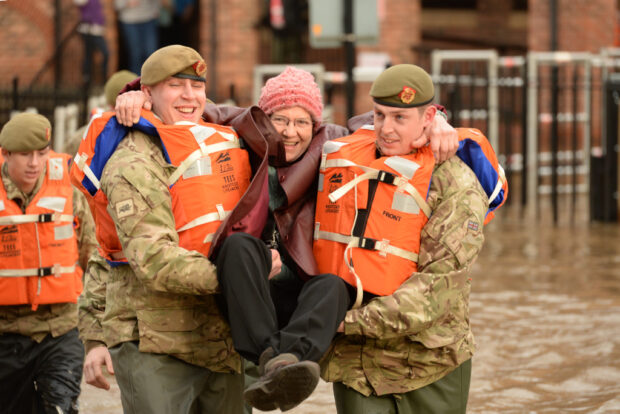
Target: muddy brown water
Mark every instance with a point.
(545, 310)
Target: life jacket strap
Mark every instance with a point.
(55, 270)
(36, 218)
(382, 246)
(203, 151)
(80, 162)
(218, 215)
(384, 177)
(500, 183)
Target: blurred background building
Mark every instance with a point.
(537, 76)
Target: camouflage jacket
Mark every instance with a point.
(420, 333)
(91, 303)
(165, 297)
(56, 319)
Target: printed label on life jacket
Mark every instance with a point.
(8, 241)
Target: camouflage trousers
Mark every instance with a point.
(446, 396)
(160, 384)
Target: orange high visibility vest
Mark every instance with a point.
(38, 247)
(212, 174)
(370, 212)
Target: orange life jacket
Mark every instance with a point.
(212, 174)
(38, 247)
(475, 150)
(370, 212)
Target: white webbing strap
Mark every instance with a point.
(203, 151)
(345, 188)
(80, 162)
(36, 218)
(219, 215)
(371, 174)
(500, 183)
(382, 246)
(209, 238)
(55, 271)
(342, 162)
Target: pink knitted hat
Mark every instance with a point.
(292, 87)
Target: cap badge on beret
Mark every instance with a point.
(48, 133)
(200, 67)
(407, 95)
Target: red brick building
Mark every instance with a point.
(233, 37)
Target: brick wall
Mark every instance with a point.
(583, 25)
(28, 41)
(236, 51)
(26, 30)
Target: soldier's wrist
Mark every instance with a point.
(89, 345)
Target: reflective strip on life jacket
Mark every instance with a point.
(207, 218)
(55, 270)
(36, 218)
(354, 181)
(204, 151)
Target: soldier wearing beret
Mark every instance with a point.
(112, 87)
(170, 348)
(46, 237)
(291, 317)
(410, 350)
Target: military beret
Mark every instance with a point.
(404, 86)
(175, 60)
(26, 132)
(115, 83)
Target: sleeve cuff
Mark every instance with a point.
(89, 345)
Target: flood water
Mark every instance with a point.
(545, 310)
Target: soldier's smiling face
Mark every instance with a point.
(176, 99)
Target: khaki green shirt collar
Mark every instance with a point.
(14, 193)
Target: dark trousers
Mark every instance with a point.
(141, 39)
(291, 316)
(38, 377)
(91, 44)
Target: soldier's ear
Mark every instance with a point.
(147, 92)
(429, 114)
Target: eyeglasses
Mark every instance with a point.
(299, 123)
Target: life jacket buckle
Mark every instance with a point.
(367, 243)
(386, 177)
(44, 271)
(46, 218)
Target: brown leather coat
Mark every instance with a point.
(295, 220)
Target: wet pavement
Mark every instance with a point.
(545, 310)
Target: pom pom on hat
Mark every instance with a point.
(293, 87)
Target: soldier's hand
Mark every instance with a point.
(341, 327)
(129, 105)
(276, 263)
(93, 362)
(444, 140)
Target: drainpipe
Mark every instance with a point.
(555, 92)
(213, 54)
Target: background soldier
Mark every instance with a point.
(45, 230)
